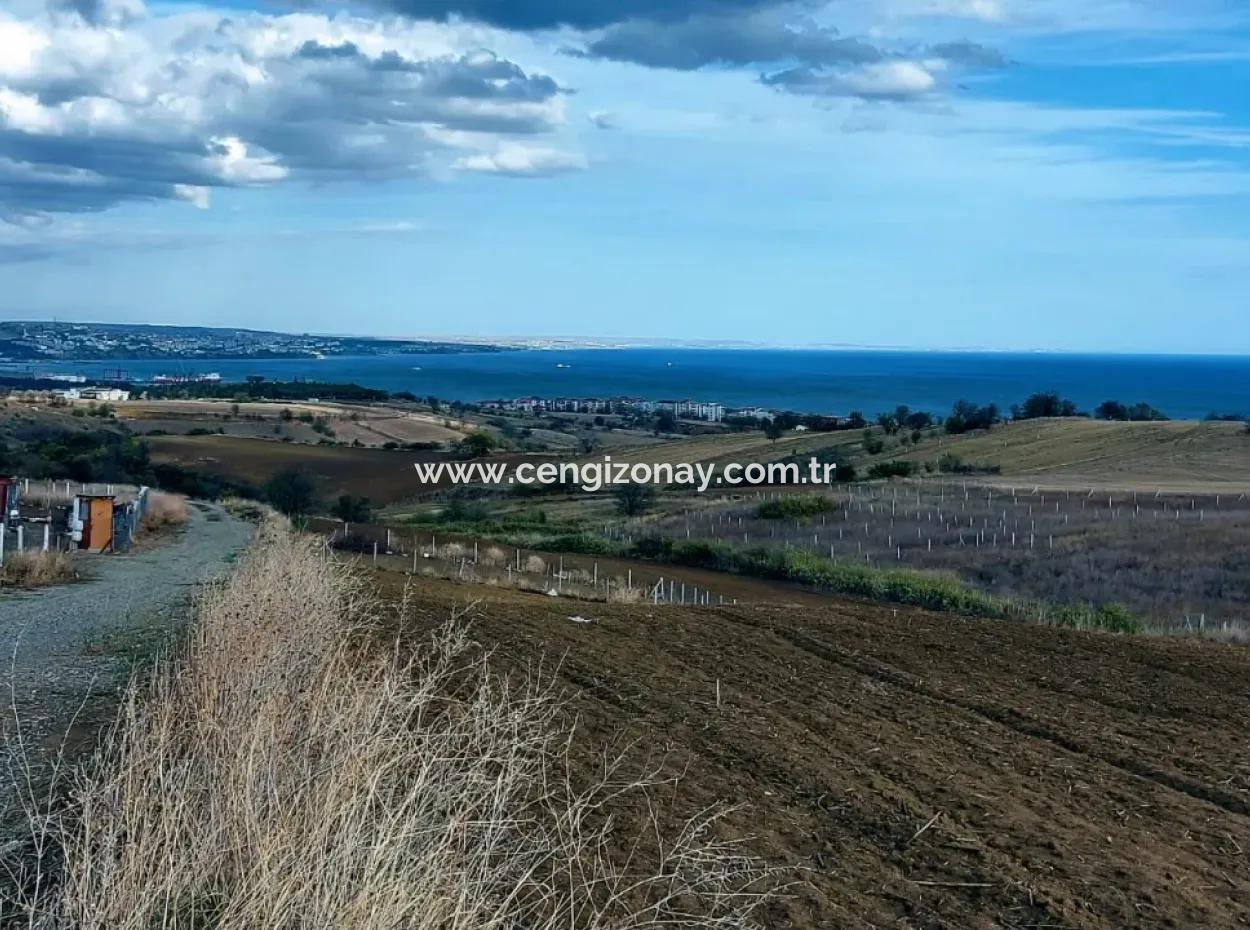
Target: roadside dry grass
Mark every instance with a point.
(37, 569)
(281, 772)
(164, 511)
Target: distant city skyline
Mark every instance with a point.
(1004, 175)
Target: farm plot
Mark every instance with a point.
(916, 770)
(1179, 561)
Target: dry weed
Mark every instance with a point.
(37, 569)
(279, 773)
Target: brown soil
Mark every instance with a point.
(918, 770)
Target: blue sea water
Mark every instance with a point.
(819, 381)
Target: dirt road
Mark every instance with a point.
(66, 646)
(922, 770)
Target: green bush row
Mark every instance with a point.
(793, 507)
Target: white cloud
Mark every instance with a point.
(520, 160)
(168, 107)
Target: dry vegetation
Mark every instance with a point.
(164, 511)
(282, 773)
(37, 569)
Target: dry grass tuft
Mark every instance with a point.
(165, 510)
(621, 593)
(279, 773)
(37, 569)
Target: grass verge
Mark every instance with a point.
(37, 569)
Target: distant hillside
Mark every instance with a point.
(38, 340)
(1181, 455)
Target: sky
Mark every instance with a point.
(1069, 175)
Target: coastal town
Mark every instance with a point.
(708, 411)
(33, 341)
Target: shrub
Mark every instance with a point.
(793, 507)
(954, 465)
(634, 499)
(892, 470)
(165, 510)
(291, 491)
(352, 508)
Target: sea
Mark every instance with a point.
(811, 381)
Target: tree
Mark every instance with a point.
(634, 499)
(478, 443)
(589, 443)
(773, 430)
(665, 422)
(292, 492)
(353, 509)
(966, 416)
(1044, 404)
(1114, 410)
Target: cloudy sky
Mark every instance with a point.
(1018, 174)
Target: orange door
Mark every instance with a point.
(100, 526)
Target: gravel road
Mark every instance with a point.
(64, 646)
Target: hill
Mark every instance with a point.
(1180, 456)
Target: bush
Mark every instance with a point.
(165, 510)
(793, 507)
(291, 492)
(892, 470)
(351, 508)
(953, 465)
(634, 499)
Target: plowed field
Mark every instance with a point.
(920, 770)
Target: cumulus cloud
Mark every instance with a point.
(971, 54)
(810, 58)
(580, 14)
(702, 40)
(889, 80)
(171, 107)
(519, 160)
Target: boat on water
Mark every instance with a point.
(562, 365)
(211, 376)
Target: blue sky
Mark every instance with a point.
(1010, 174)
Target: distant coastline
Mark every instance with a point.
(801, 380)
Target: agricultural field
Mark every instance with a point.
(745, 447)
(1178, 456)
(383, 475)
(372, 426)
(909, 769)
(1180, 562)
